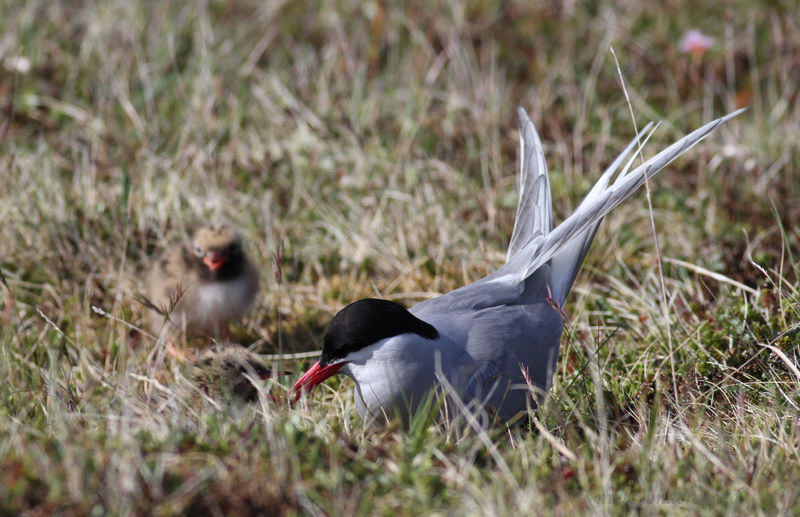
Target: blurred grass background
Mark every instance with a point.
(377, 143)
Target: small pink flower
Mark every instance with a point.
(695, 42)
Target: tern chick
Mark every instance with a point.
(228, 372)
(200, 288)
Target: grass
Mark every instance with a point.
(376, 146)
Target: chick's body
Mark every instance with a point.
(228, 372)
(203, 287)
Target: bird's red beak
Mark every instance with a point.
(314, 376)
(214, 261)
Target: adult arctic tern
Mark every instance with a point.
(486, 340)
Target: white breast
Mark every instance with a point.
(219, 303)
(397, 372)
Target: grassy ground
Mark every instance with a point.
(378, 145)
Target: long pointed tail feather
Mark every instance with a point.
(581, 225)
(534, 210)
(566, 263)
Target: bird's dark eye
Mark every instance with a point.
(198, 250)
(232, 248)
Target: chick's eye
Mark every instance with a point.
(198, 250)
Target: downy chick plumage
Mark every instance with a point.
(202, 287)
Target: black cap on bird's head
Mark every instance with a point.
(366, 322)
(359, 325)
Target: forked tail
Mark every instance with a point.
(534, 244)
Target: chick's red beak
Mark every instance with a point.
(314, 376)
(214, 261)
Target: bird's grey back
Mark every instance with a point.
(541, 264)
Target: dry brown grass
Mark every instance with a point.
(378, 144)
